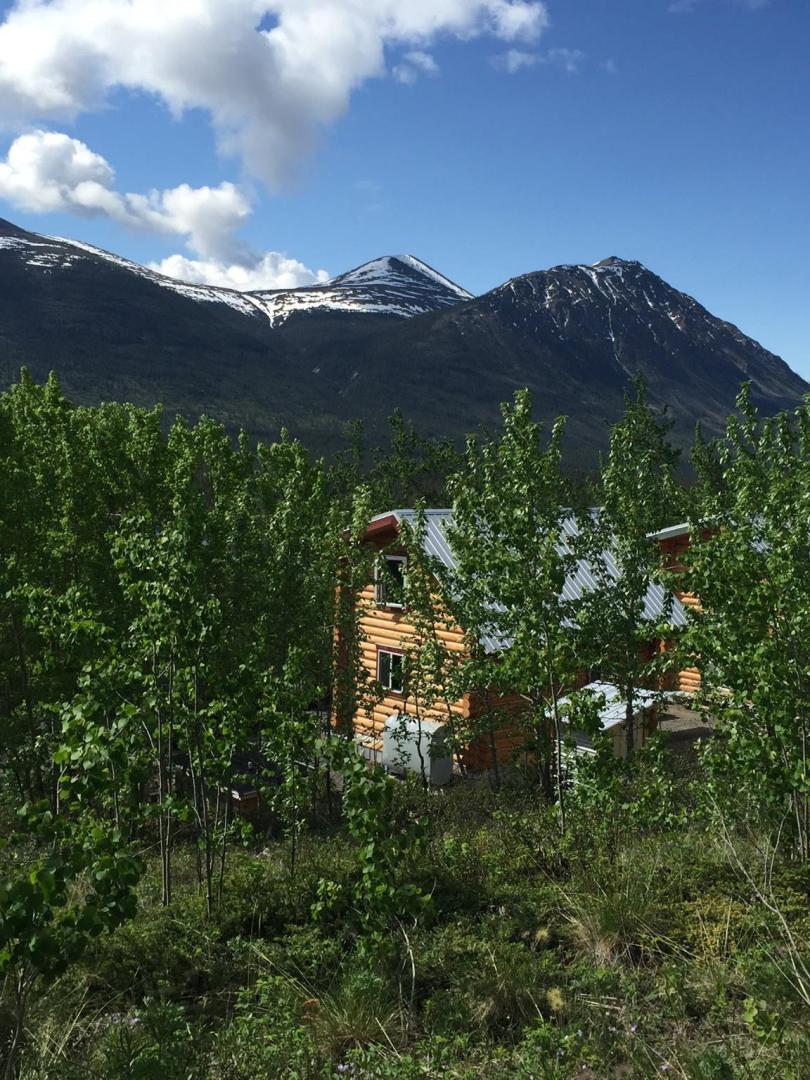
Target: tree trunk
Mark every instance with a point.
(558, 742)
(629, 720)
(21, 989)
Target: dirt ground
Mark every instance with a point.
(684, 727)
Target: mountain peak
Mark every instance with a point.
(619, 318)
(615, 262)
(392, 333)
(399, 286)
(394, 270)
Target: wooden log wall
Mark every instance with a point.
(388, 627)
(687, 680)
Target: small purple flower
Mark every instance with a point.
(579, 1033)
(633, 1029)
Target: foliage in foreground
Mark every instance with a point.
(169, 629)
(617, 952)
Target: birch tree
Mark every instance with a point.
(429, 664)
(637, 494)
(750, 565)
(513, 554)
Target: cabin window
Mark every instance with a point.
(390, 671)
(389, 581)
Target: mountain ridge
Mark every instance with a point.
(397, 285)
(391, 333)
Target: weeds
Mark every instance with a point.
(651, 957)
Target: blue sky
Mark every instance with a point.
(671, 132)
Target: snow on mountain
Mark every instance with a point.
(311, 359)
(204, 293)
(621, 317)
(400, 286)
(52, 253)
(397, 285)
(611, 295)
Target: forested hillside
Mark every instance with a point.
(203, 878)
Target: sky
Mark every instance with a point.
(273, 143)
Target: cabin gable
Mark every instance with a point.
(386, 634)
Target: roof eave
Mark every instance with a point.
(671, 532)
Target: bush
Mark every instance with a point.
(617, 911)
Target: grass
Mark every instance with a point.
(606, 954)
(617, 912)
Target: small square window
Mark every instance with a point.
(390, 671)
(389, 582)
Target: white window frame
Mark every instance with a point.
(379, 580)
(401, 657)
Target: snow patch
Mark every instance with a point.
(400, 286)
(201, 293)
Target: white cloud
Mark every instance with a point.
(414, 64)
(207, 216)
(46, 171)
(515, 60)
(519, 20)
(569, 60)
(270, 73)
(680, 6)
(269, 271)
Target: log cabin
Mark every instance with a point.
(386, 634)
(674, 541)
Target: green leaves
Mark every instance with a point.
(750, 564)
(388, 845)
(637, 495)
(511, 505)
(45, 923)
(152, 587)
(65, 475)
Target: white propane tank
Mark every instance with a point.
(408, 742)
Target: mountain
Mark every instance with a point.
(575, 335)
(391, 333)
(398, 285)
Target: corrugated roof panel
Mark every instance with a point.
(613, 711)
(581, 580)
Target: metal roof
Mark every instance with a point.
(579, 582)
(613, 711)
(670, 532)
